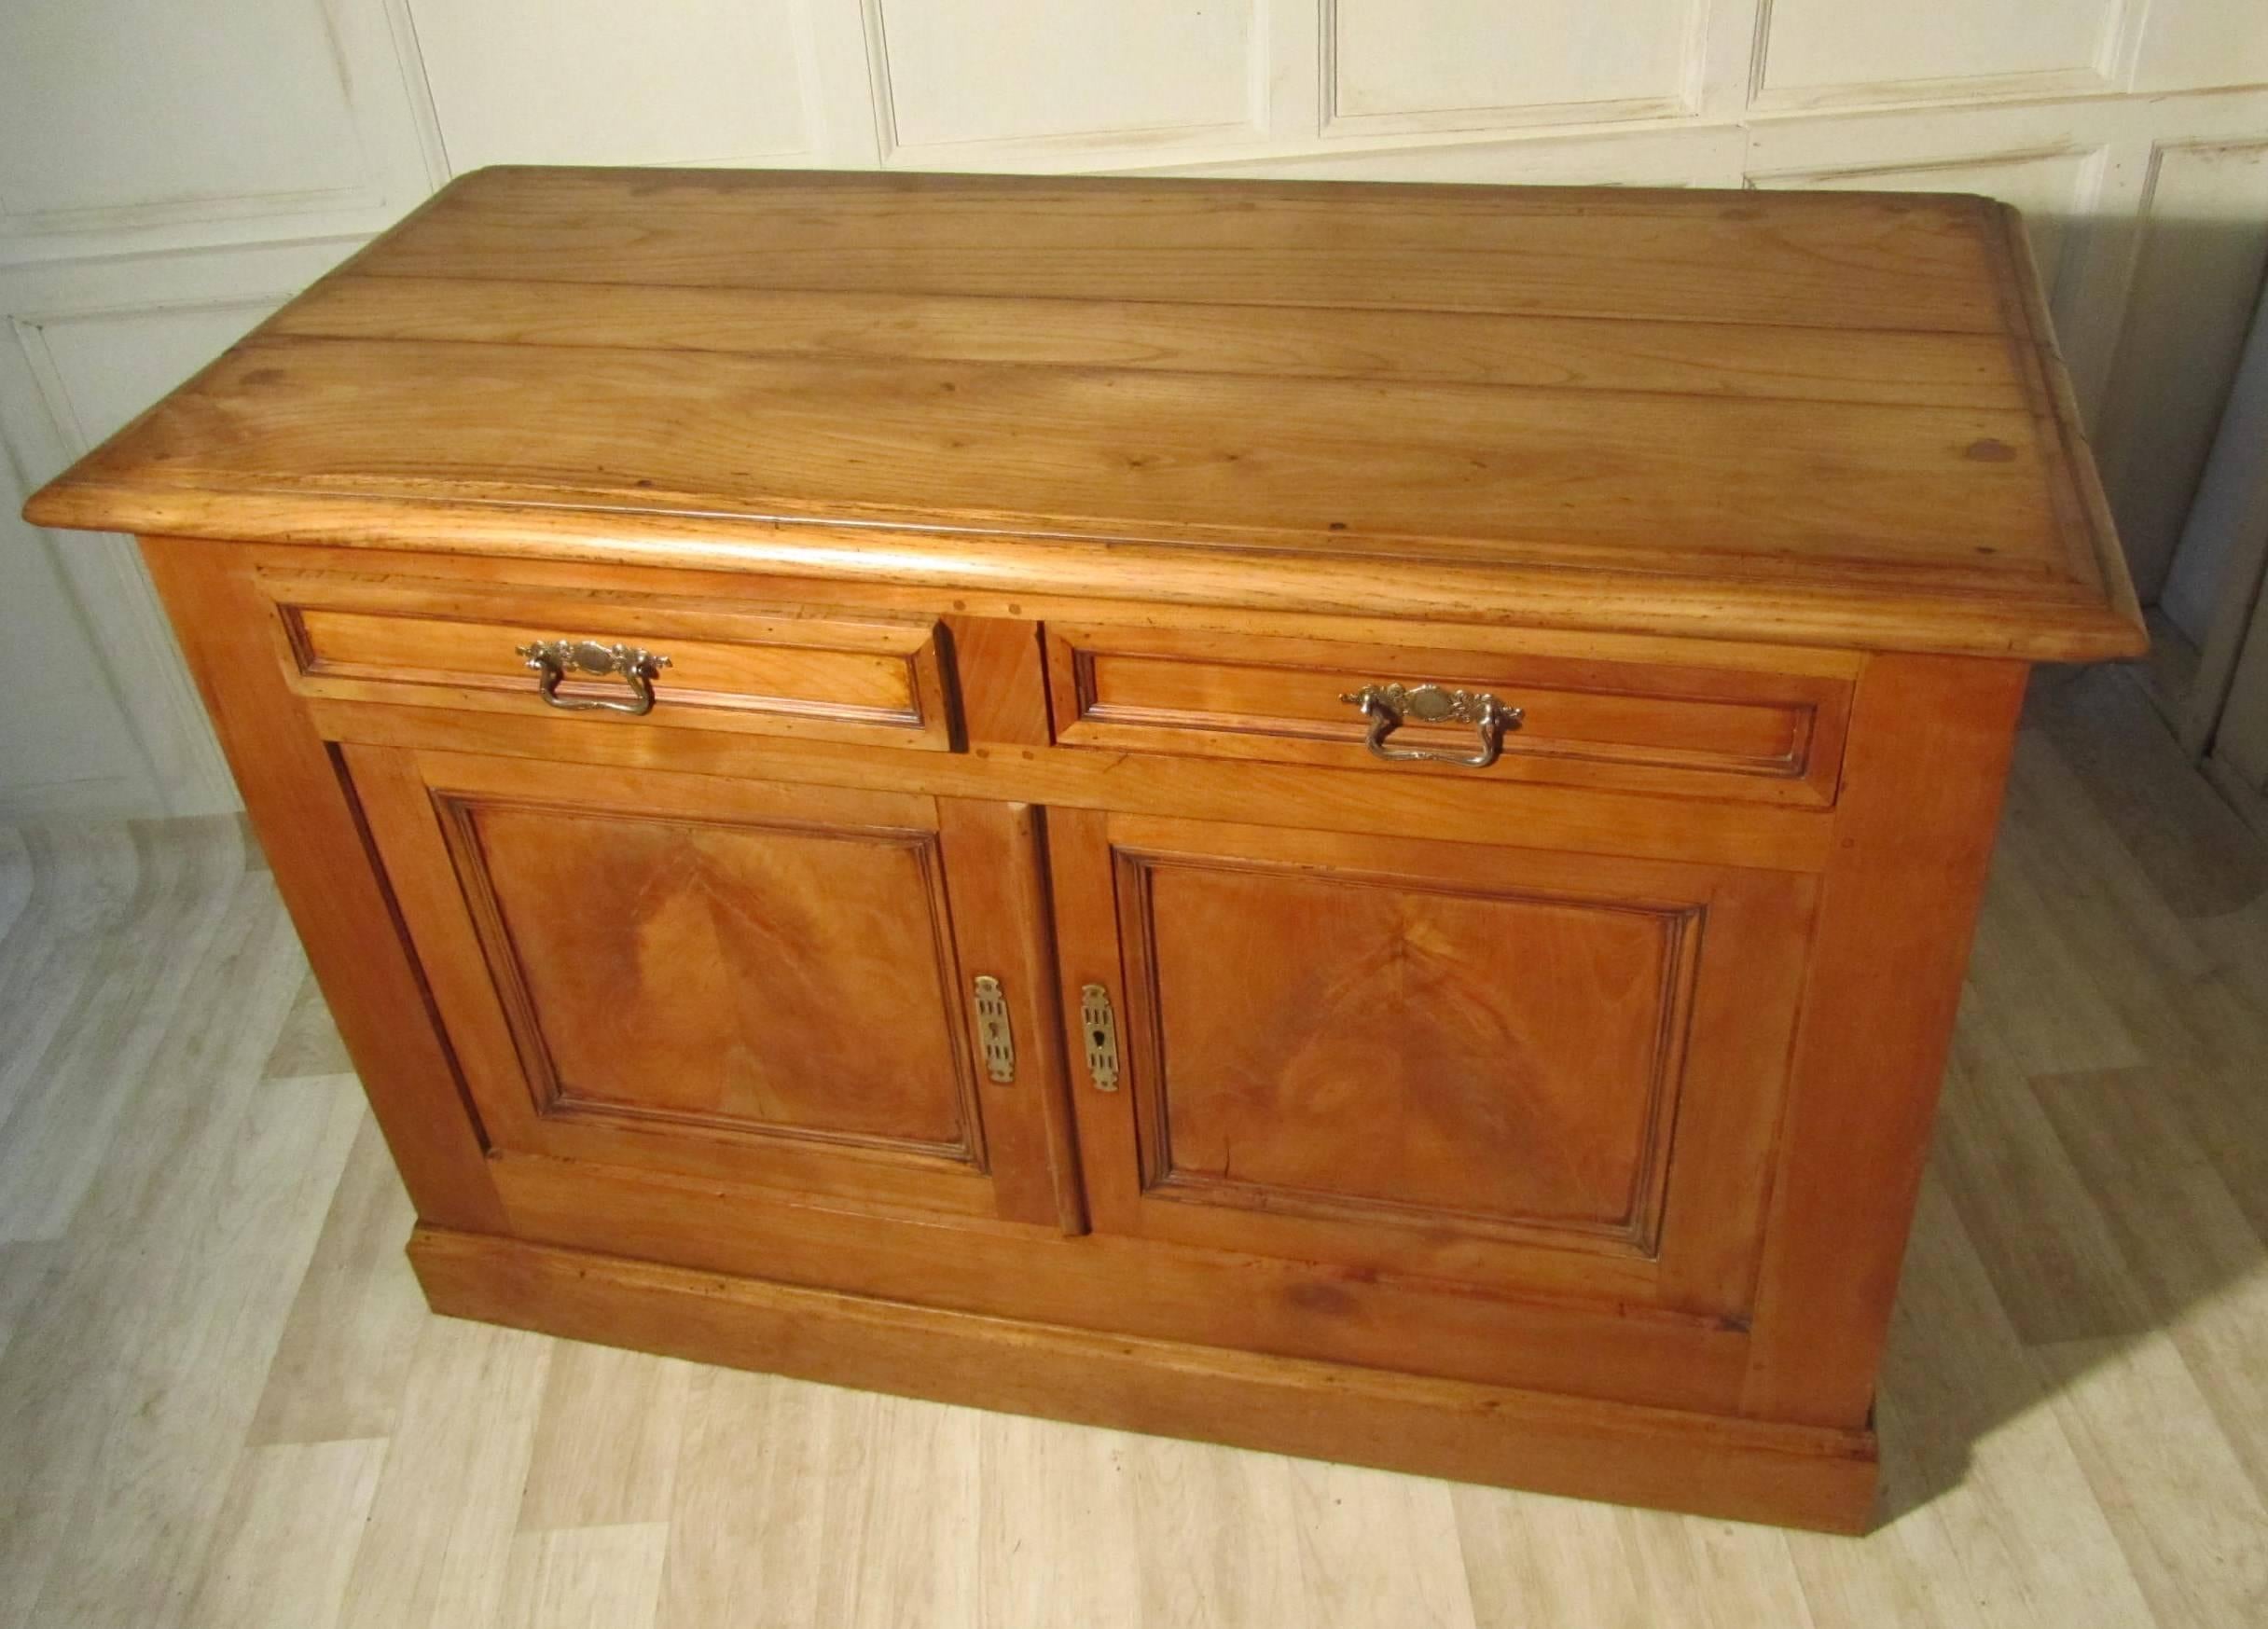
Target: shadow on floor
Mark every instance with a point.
(2093, 1232)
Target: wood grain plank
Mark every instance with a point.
(65, 1109)
(2051, 1254)
(2228, 1116)
(1906, 262)
(606, 1441)
(585, 1577)
(872, 1507)
(1621, 478)
(1684, 358)
(2193, 1256)
(343, 1359)
(99, 1346)
(1027, 376)
(1375, 1546)
(283, 1544)
(1267, 1540)
(2053, 1014)
(309, 1042)
(1989, 1517)
(896, 1534)
(1723, 1575)
(2094, 881)
(746, 1532)
(2192, 1525)
(187, 1387)
(1058, 1536)
(2136, 785)
(18, 881)
(1232, 1521)
(78, 886)
(437, 1550)
(1530, 1559)
(26, 1270)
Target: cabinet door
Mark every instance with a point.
(1518, 1069)
(730, 979)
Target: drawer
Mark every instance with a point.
(1691, 729)
(827, 675)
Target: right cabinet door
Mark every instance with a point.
(1523, 1069)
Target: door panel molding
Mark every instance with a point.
(553, 1094)
(791, 857)
(1736, 968)
(1675, 929)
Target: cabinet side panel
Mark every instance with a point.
(1930, 746)
(313, 836)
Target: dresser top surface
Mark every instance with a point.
(1829, 418)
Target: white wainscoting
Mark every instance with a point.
(88, 345)
(2202, 243)
(1058, 72)
(726, 82)
(1478, 64)
(139, 125)
(1817, 53)
(169, 173)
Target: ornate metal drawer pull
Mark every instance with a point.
(555, 659)
(1390, 706)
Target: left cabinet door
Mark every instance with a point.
(733, 980)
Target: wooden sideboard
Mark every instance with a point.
(1342, 819)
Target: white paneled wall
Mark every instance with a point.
(1057, 69)
(170, 173)
(1474, 65)
(1861, 53)
(612, 82)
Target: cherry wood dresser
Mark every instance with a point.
(1342, 819)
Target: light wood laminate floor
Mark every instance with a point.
(223, 1403)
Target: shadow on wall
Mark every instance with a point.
(2168, 367)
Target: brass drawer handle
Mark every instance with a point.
(553, 658)
(1390, 706)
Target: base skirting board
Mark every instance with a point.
(1745, 1470)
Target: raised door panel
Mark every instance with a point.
(723, 975)
(1520, 1069)
(728, 980)
(1363, 1047)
